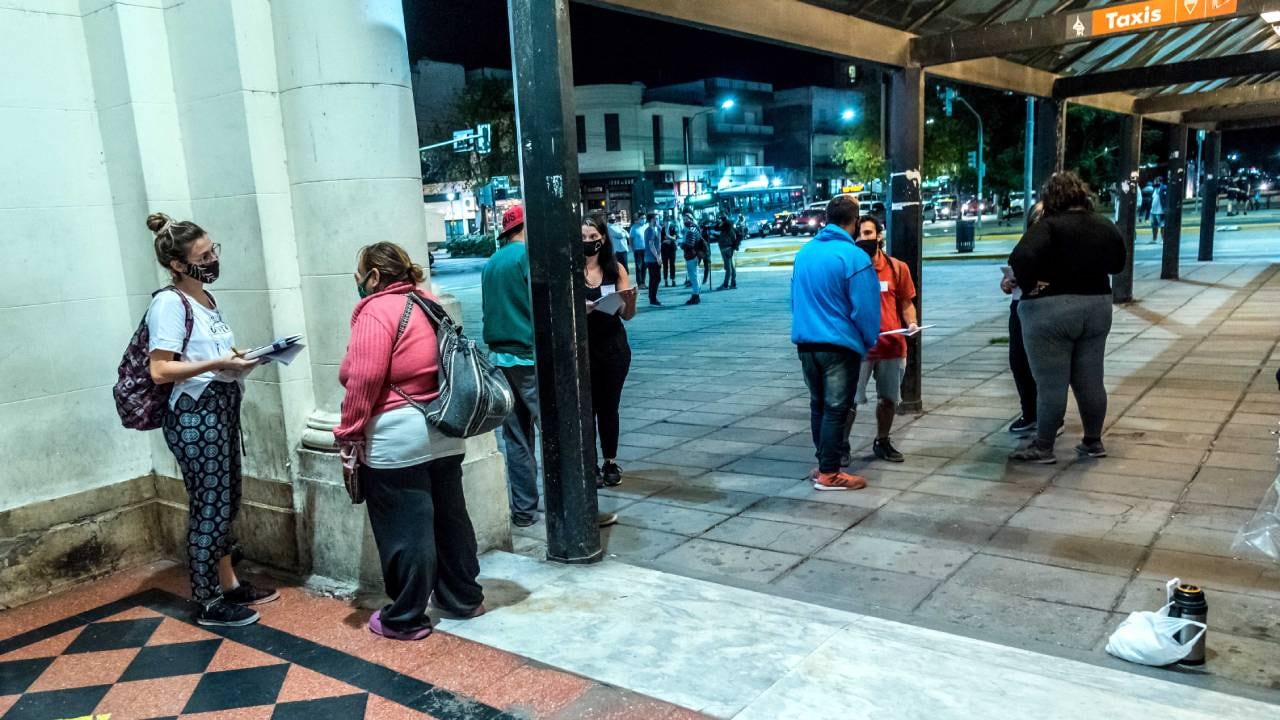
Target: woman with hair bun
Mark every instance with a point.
(408, 472)
(191, 347)
(1063, 265)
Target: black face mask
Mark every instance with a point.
(868, 246)
(591, 249)
(207, 273)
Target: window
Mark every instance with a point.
(582, 133)
(657, 139)
(612, 137)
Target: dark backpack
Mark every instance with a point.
(140, 402)
(474, 395)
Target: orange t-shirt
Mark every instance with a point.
(896, 289)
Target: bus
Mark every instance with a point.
(759, 205)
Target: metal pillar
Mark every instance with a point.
(1177, 183)
(904, 108)
(1050, 140)
(1209, 195)
(1028, 161)
(1130, 158)
(543, 68)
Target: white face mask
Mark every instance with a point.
(1149, 638)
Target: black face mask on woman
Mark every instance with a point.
(207, 273)
(868, 246)
(591, 249)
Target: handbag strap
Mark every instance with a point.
(438, 318)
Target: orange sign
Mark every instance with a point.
(1155, 13)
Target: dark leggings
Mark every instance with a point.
(204, 437)
(1020, 366)
(425, 540)
(608, 374)
(669, 262)
(653, 270)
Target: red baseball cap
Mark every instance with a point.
(512, 219)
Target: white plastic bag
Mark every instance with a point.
(1150, 638)
(1262, 532)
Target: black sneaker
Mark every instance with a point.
(523, 520)
(693, 300)
(246, 593)
(1022, 425)
(1092, 448)
(884, 450)
(225, 614)
(1033, 453)
(612, 474)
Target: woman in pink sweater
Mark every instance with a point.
(410, 473)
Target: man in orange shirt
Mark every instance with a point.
(887, 361)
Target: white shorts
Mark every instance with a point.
(888, 373)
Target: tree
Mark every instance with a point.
(860, 152)
(487, 100)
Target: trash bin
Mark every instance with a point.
(964, 236)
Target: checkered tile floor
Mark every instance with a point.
(144, 659)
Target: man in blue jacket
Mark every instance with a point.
(835, 320)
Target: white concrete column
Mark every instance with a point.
(351, 139)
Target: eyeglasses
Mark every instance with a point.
(214, 253)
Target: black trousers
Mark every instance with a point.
(653, 270)
(609, 368)
(669, 262)
(1020, 366)
(425, 540)
(640, 267)
(621, 255)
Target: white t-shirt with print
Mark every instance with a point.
(211, 338)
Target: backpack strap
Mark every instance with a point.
(190, 318)
(438, 318)
(404, 319)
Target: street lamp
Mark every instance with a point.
(847, 115)
(726, 105)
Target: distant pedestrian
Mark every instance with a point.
(1062, 264)
(609, 352)
(1159, 201)
(653, 255)
(636, 234)
(411, 476)
(671, 238)
(886, 361)
(1018, 363)
(835, 319)
(708, 228)
(1144, 201)
(618, 239)
(508, 331)
(693, 246)
(191, 349)
(728, 241)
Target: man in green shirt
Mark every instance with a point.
(508, 331)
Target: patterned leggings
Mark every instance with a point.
(204, 436)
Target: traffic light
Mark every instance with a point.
(973, 159)
(948, 97)
(484, 143)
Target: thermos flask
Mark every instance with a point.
(1189, 604)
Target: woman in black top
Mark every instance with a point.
(1063, 266)
(608, 351)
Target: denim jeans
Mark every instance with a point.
(730, 270)
(691, 268)
(831, 374)
(517, 434)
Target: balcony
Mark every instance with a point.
(724, 129)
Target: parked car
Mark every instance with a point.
(973, 206)
(810, 220)
(940, 207)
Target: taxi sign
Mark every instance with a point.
(1146, 15)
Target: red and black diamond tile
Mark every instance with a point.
(142, 658)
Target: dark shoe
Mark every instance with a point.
(733, 286)
(694, 300)
(376, 627)
(1092, 448)
(225, 614)
(1022, 425)
(722, 287)
(688, 284)
(599, 478)
(607, 519)
(246, 593)
(1033, 453)
(612, 474)
(655, 303)
(884, 450)
(523, 520)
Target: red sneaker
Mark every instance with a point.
(838, 481)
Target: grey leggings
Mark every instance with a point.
(1066, 339)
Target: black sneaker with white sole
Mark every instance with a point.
(1022, 425)
(885, 450)
(1092, 448)
(246, 593)
(224, 614)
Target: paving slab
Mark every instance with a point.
(670, 518)
(772, 535)
(749, 564)
(865, 587)
(1068, 551)
(699, 497)
(1014, 619)
(1037, 581)
(893, 555)
(636, 543)
(821, 514)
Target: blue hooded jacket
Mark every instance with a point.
(835, 294)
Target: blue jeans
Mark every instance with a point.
(831, 374)
(691, 268)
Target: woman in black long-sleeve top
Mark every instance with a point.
(1063, 266)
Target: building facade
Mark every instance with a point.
(286, 129)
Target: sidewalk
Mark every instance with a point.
(715, 444)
